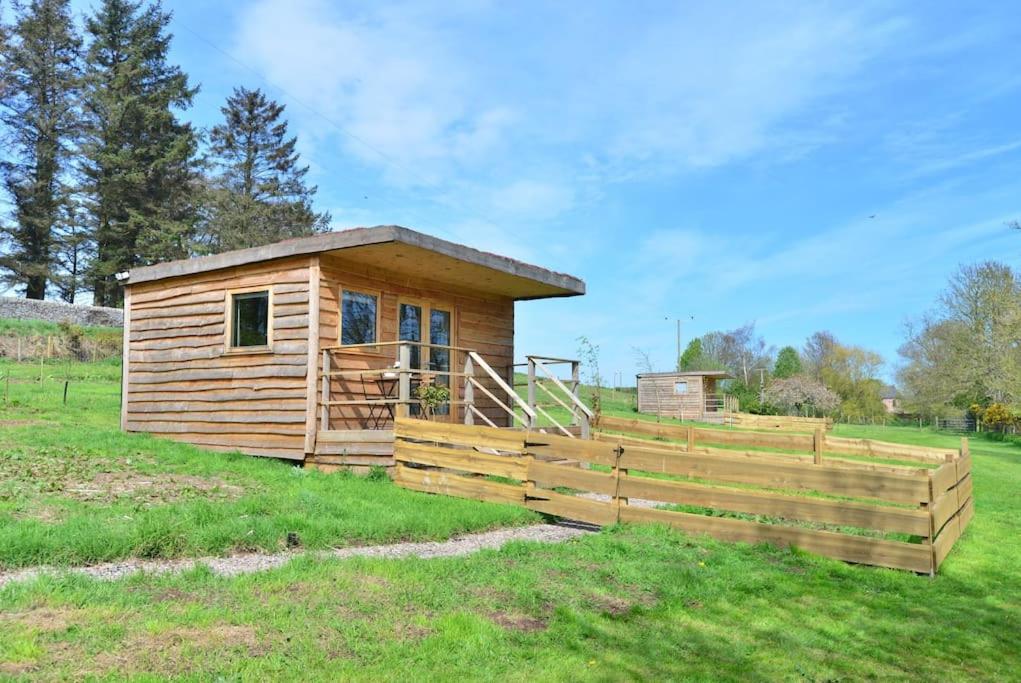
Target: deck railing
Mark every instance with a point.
(382, 387)
(556, 394)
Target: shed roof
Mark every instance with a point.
(722, 374)
(395, 248)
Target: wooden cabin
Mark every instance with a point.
(689, 395)
(308, 349)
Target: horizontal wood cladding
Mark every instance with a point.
(481, 322)
(184, 383)
(657, 395)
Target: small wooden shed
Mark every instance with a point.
(310, 347)
(689, 395)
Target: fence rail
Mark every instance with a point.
(762, 497)
(812, 443)
(791, 423)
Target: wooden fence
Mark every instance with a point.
(816, 443)
(843, 509)
(786, 423)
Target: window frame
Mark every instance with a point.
(377, 326)
(427, 306)
(679, 382)
(228, 327)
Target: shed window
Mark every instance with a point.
(680, 388)
(250, 319)
(358, 318)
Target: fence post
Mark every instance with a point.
(691, 439)
(965, 447)
(928, 507)
(817, 444)
(404, 381)
(531, 391)
(326, 391)
(469, 392)
(575, 388)
(618, 472)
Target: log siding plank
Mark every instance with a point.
(185, 383)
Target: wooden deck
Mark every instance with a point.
(355, 449)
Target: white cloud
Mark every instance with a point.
(385, 76)
(426, 91)
(714, 83)
(532, 198)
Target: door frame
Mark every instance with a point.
(427, 304)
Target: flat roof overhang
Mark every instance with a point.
(719, 374)
(395, 249)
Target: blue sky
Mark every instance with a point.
(803, 166)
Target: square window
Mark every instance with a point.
(249, 325)
(358, 318)
(680, 388)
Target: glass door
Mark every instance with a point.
(409, 328)
(439, 358)
(422, 321)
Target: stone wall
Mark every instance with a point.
(58, 311)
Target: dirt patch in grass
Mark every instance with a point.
(175, 651)
(47, 514)
(27, 475)
(43, 619)
(16, 668)
(178, 650)
(152, 489)
(411, 633)
(518, 622)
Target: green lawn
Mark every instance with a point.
(631, 602)
(75, 490)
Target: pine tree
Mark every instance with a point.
(788, 363)
(258, 191)
(73, 253)
(39, 112)
(140, 166)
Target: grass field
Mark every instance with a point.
(75, 490)
(629, 602)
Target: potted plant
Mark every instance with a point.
(430, 396)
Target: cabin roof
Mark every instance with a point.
(394, 248)
(722, 374)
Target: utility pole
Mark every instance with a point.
(678, 362)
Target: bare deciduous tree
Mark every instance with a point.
(967, 350)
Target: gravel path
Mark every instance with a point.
(232, 565)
